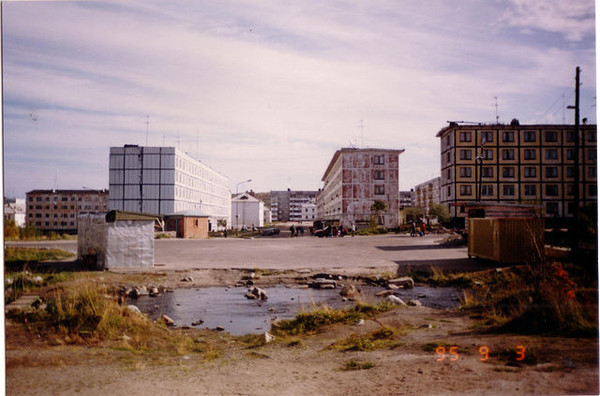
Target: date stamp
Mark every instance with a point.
(451, 353)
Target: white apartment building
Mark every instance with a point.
(14, 209)
(165, 180)
(308, 211)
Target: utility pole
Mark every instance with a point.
(576, 181)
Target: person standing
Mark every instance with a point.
(353, 229)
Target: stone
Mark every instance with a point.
(250, 296)
(220, 328)
(327, 286)
(187, 279)
(153, 292)
(395, 300)
(168, 321)
(256, 293)
(133, 309)
(406, 281)
(391, 286)
(198, 322)
(323, 283)
(359, 322)
(384, 293)
(414, 303)
(269, 337)
(349, 291)
(426, 326)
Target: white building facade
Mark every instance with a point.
(14, 209)
(308, 211)
(165, 180)
(247, 211)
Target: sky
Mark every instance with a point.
(269, 90)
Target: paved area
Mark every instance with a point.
(384, 253)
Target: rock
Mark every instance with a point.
(198, 322)
(187, 279)
(256, 293)
(153, 292)
(269, 337)
(359, 322)
(426, 326)
(405, 281)
(168, 321)
(349, 291)
(391, 286)
(36, 279)
(395, 300)
(220, 328)
(134, 309)
(323, 283)
(240, 284)
(384, 293)
(414, 303)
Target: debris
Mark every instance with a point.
(168, 321)
(405, 281)
(395, 300)
(269, 337)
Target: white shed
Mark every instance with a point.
(247, 211)
(117, 239)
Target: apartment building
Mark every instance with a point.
(14, 209)
(287, 205)
(354, 179)
(165, 181)
(427, 194)
(519, 164)
(57, 210)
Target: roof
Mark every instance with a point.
(187, 213)
(483, 126)
(71, 192)
(351, 149)
(118, 215)
(246, 197)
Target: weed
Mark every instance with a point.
(352, 365)
(384, 338)
(310, 322)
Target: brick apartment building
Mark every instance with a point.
(517, 164)
(57, 210)
(354, 179)
(427, 194)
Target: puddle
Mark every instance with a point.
(228, 308)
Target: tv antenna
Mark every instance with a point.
(496, 105)
(362, 135)
(147, 125)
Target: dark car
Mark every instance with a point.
(270, 231)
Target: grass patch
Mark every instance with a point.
(17, 257)
(353, 365)
(310, 322)
(384, 338)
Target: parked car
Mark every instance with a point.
(270, 231)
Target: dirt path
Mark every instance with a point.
(557, 366)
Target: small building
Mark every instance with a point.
(247, 211)
(188, 224)
(14, 209)
(116, 239)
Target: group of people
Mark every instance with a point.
(297, 231)
(328, 231)
(413, 229)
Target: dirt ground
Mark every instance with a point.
(411, 366)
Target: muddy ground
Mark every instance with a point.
(320, 363)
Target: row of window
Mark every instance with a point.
(528, 154)
(528, 136)
(550, 190)
(528, 171)
(64, 207)
(55, 224)
(64, 199)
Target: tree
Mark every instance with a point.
(440, 211)
(377, 207)
(11, 230)
(221, 223)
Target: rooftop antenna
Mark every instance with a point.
(147, 125)
(496, 104)
(362, 135)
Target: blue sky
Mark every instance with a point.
(269, 90)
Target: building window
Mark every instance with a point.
(569, 189)
(465, 154)
(508, 136)
(508, 171)
(551, 136)
(592, 155)
(487, 190)
(465, 190)
(508, 154)
(465, 171)
(487, 137)
(508, 189)
(592, 172)
(378, 160)
(487, 171)
(551, 171)
(529, 137)
(529, 171)
(448, 157)
(529, 154)
(570, 171)
(448, 139)
(570, 136)
(591, 136)
(551, 190)
(379, 190)
(592, 190)
(570, 154)
(530, 189)
(552, 208)
(487, 154)
(379, 175)
(465, 136)
(551, 154)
